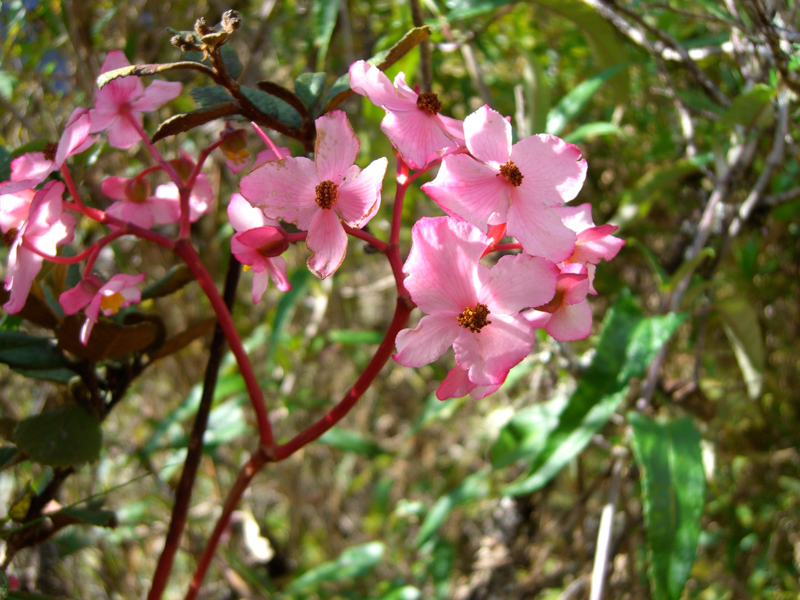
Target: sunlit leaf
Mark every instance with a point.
(309, 88)
(353, 562)
(323, 19)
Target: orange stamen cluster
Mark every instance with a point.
(511, 173)
(327, 194)
(474, 319)
(429, 103)
(9, 237)
(50, 150)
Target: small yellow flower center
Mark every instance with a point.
(9, 237)
(50, 150)
(511, 173)
(112, 303)
(327, 193)
(246, 268)
(429, 103)
(474, 319)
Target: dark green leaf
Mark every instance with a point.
(8, 455)
(353, 562)
(231, 60)
(351, 441)
(323, 20)
(5, 166)
(60, 437)
(673, 496)
(184, 122)
(628, 343)
(474, 486)
(309, 88)
(210, 95)
(23, 351)
(57, 375)
(99, 518)
(752, 108)
(272, 106)
(177, 277)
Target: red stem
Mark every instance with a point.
(168, 168)
(499, 247)
(257, 461)
(266, 139)
(399, 196)
(367, 237)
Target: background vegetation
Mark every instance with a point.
(686, 112)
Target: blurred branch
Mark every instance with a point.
(602, 553)
(426, 68)
(782, 197)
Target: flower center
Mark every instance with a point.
(511, 173)
(474, 319)
(9, 237)
(112, 303)
(327, 193)
(49, 151)
(429, 102)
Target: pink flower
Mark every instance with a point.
(136, 205)
(316, 195)
(518, 185)
(457, 384)
(124, 99)
(470, 307)
(412, 121)
(567, 316)
(32, 168)
(200, 198)
(14, 209)
(45, 228)
(258, 245)
(119, 292)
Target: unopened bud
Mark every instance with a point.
(202, 28)
(176, 41)
(231, 21)
(183, 167)
(137, 190)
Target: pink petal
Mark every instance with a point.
(75, 299)
(122, 134)
(553, 170)
(371, 82)
(268, 241)
(360, 198)
(444, 272)
(570, 322)
(518, 282)
(573, 286)
(14, 209)
(157, 94)
(30, 166)
(86, 331)
(276, 267)
(328, 242)
(539, 229)
(592, 245)
(115, 59)
(536, 318)
(488, 136)
(138, 213)
(243, 215)
(453, 128)
(102, 118)
(336, 148)
(490, 353)
(577, 218)
(284, 189)
(416, 135)
(247, 255)
(74, 135)
(260, 284)
(268, 154)
(471, 190)
(115, 187)
(23, 266)
(455, 385)
(426, 342)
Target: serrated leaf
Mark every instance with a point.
(573, 103)
(750, 109)
(60, 437)
(740, 323)
(273, 106)
(309, 88)
(351, 441)
(186, 121)
(108, 340)
(628, 343)
(353, 562)
(143, 71)
(324, 14)
(673, 496)
(23, 351)
(474, 486)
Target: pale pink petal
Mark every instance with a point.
(138, 213)
(416, 135)
(336, 148)
(156, 94)
(164, 210)
(243, 215)
(31, 166)
(360, 198)
(284, 189)
(23, 266)
(371, 82)
(74, 135)
(578, 217)
(490, 353)
(276, 267)
(570, 322)
(403, 89)
(115, 59)
(122, 134)
(444, 272)
(539, 229)
(536, 318)
(471, 190)
(260, 284)
(426, 342)
(597, 243)
(102, 118)
(75, 299)
(573, 286)
(237, 165)
(453, 128)
(455, 385)
(115, 187)
(519, 282)
(488, 136)
(552, 170)
(328, 241)
(268, 154)
(201, 198)
(247, 255)
(481, 391)
(14, 209)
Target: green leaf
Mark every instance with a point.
(60, 437)
(285, 309)
(524, 436)
(27, 352)
(628, 343)
(753, 108)
(8, 455)
(351, 441)
(210, 95)
(5, 164)
(324, 14)
(143, 71)
(272, 106)
(184, 122)
(4, 585)
(353, 337)
(353, 562)
(230, 59)
(407, 592)
(474, 486)
(177, 277)
(309, 88)
(740, 323)
(591, 130)
(57, 375)
(673, 495)
(573, 103)
(99, 518)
